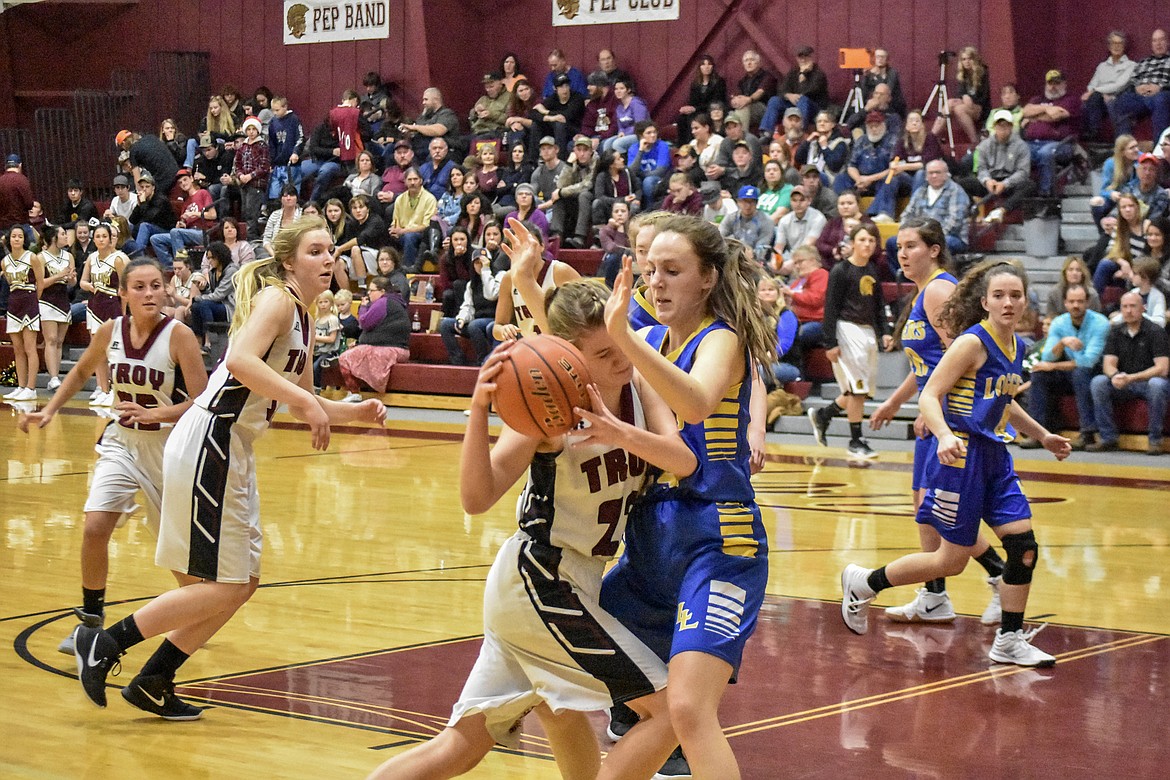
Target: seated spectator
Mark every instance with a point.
(974, 95)
(914, 150)
(323, 164)
(215, 299)
(780, 317)
(608, 67)
(1049, 121)
(1145, 277)
(450, 203)
(393, 179)
(1148, 93)
(600, 119)
(526, 210)
(436, 170)
(198, 217)
(682, 196)
(77, 208)
(1005, 167)
(233, 103)
(718, 205)
(1109, 80)
(327, 338)
(805, 295)
(941, 199)
(176, 142)
(213, 168)
(1135, 364)
(791, 130)
(800, 227)
(511, 72)
(614, 182)
(704, 139)
(1117, 174)
(435, 121)
(754, 92)
(1073, 272)
(384, 341)
(559, 69)
(869, 166)
(833, 244)
(780, 152)
(744, 171)
(475, 214)
(1146, 189)
(524, 123)
(454, 271)
(561, 112)
(1070, 358)
(749, 226)
(286, 143)
(476, 314)
(487, 173)
(365, 179)
(826, 149)
(518, 171)
(390, 266)
(820, 197)
(491, 109)
(547, 174)
(735, 133)
(614, 241)
(882, 73)
(234, 235)
(882, 101)
(805, 87)
(250, 170)
(413, 212)
(374, 105)
(152, 215)
(288, 213)
(124, 200)
(1009, 99)
(718, 113)
(574, 195)
(1120, 246)
(360, 252)
(706, 86)
(180, 287)
(686, 162)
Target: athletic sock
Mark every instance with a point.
(165, 662)
(93, 602)
(855, 431)
(125, 632)
(1012, 621)
(991, 562)
(877, 580)
(832, 410)
(938, 585)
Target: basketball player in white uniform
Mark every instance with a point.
(210, 528)
(514, 318)
(154, 362)
(547, 645)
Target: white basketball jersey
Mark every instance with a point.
(521, 316)
(227, 397)
(147, 376)
(577, 499)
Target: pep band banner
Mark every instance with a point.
(323, 21)
(567, 13)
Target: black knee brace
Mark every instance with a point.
(1022, 552)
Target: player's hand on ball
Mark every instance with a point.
(604, 427)
(485, 384)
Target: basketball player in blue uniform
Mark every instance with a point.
(210, 529)
(548, 646)
(923, 257)
(691, 580)
(643, 228)
(155, 368)
(967, 403)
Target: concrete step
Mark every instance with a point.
(1010, 246)
(1078, 190)
(1053, 263)
(1075, 206)
(1077, 218)
(1079, 232)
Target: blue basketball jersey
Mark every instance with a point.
(720, 441)
(920, 341)
(642, 313)
(978, 403)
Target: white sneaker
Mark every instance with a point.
(883, 219)
(855, 598)
(11, 394)
(96, 394)
(1014, 647)
(106, 400)
(97, 397)
(926, 607)
(54, 383)
(994, 217)
(352, 398)
(26, 394)
(993, 615)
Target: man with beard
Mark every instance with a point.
(1047, 120)
(869, 166)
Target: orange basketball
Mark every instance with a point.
(539, 384)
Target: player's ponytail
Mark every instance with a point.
(965, 306)
(270, 272)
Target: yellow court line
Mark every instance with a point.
(919, 690)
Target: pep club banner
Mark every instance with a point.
(566, 13)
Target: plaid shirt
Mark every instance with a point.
(1153, 70)
(950, 209)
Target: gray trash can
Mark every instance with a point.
(1041, 236)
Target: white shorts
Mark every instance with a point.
(50, 313)
(567, 652)
(128, 461)
(856, 366)
(210, 508)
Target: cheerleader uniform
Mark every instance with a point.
(983, 485)
(104, 304)
(55, 297)
(211, 510)
(546, 639)
(695, 565)
(23, 309)
(924, 349)
(130, 455)
(520, 313)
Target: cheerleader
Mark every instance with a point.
(59, 275)
(100, 278)
(155, 368)
(26, 278)
(210, 527)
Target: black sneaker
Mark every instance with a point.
(156, 694)
(621, 720)
(93, 621)
(97, 657)
(676, 767)
(859, 448)
(820, 425)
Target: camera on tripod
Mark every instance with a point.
(946, 56)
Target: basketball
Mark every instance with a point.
(539, 384)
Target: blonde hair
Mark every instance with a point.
(1120, 249)
(734, 299)
(270, 271)
(226, 123)
(343, 301)
(576, 307)
(1122, 168)
(332, 305)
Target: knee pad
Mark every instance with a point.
(1022, 552)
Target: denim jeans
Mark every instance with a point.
(142, 238)
(167, 245)
(203, 312)
(478, 330)
(282, 175)
(1044, 162)
(1131, 107)
(1048, 386)
(1105, 395)
(776, 107)
(326, 172)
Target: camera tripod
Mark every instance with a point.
(854, 100)
(940, 98)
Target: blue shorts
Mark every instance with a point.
(925, 450)
(692, 577)
(983, 486)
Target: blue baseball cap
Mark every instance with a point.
(12, 161)
(748, 192)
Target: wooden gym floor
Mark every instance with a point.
(370, 615)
